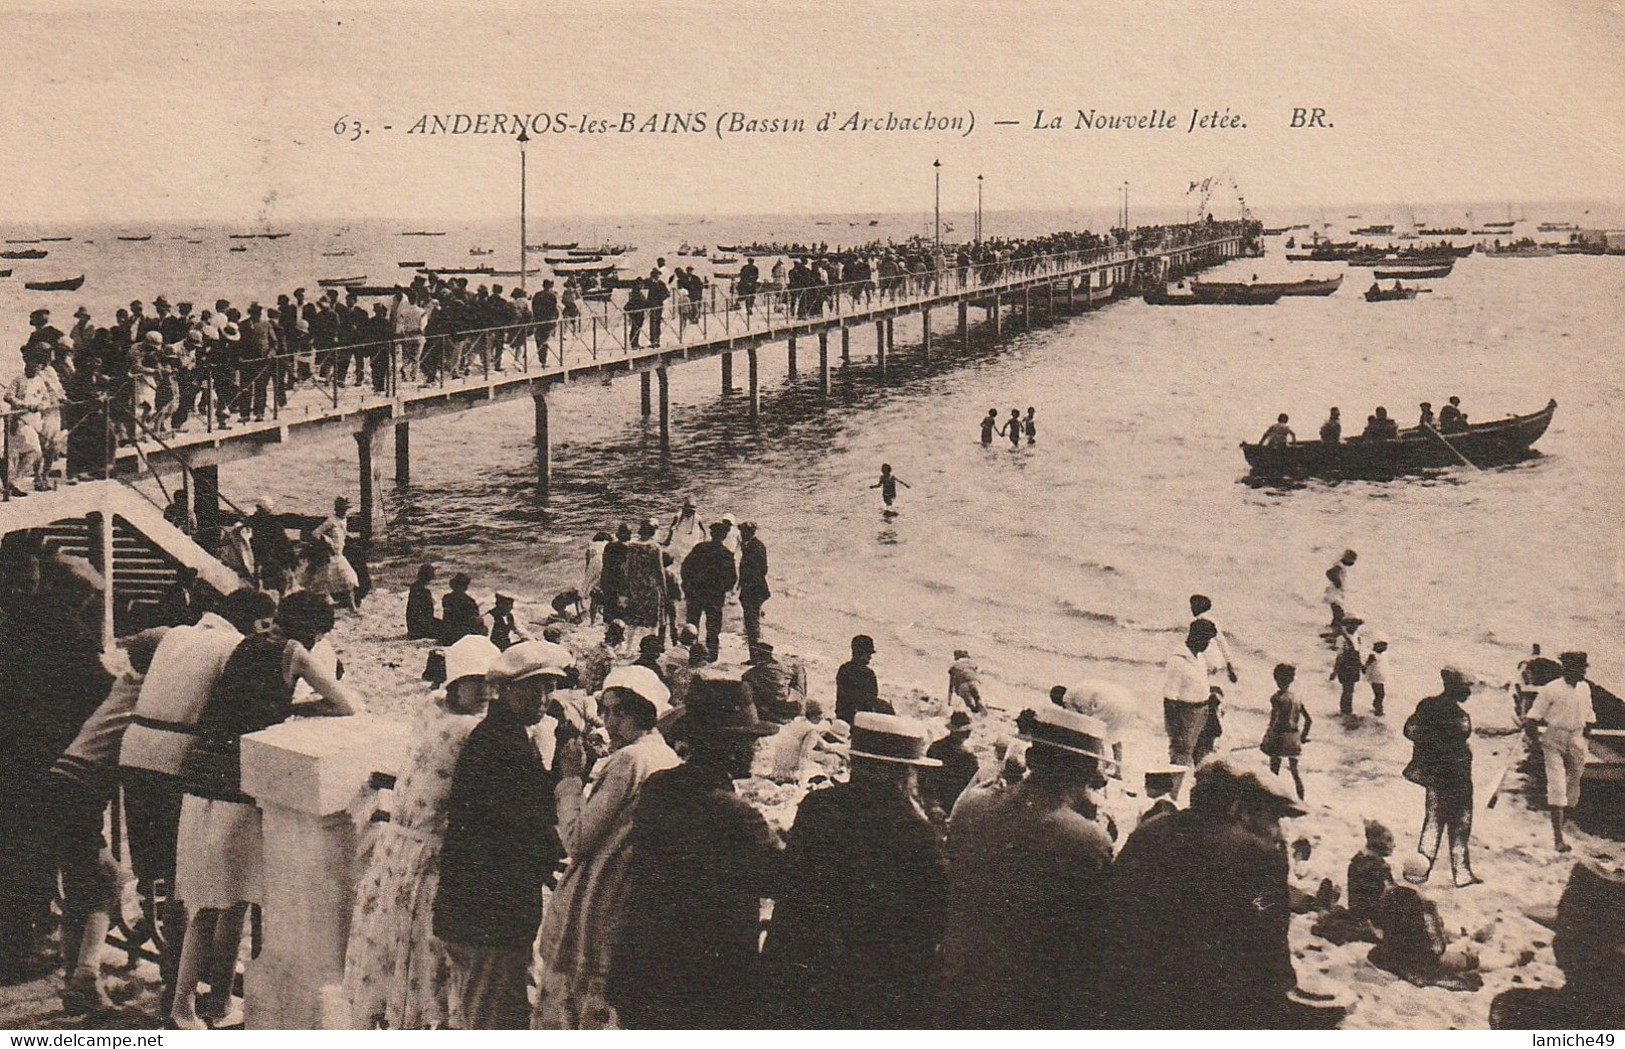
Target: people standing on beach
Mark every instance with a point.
(1219, 660)
(1338, 587)
(888, 484)
(1185, 696)
(1288, 728)
(1012, 429)
(612, 577)
(941, 787)
(341, 580)
(753, 588)
(990, 422)
(219, 848)
(396, 973)
(1376, 673)
(595, 813)
(1442, 763)
(859, 919)
(1563, 714)
(856, 687)
(1028, 877)
(644, 608)
(708, 577)
(501, 845)
(702, 859)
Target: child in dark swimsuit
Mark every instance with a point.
(990, 421)
(888, 484)
(1012, 429)
(1032, 425)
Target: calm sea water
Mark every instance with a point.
(1072, 557)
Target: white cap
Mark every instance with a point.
(641, 681)
(471, 656)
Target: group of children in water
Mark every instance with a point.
(1015, 428)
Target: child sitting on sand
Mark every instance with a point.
(1288, 728)
(1370, 878)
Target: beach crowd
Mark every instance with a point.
(568, 845)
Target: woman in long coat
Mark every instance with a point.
(595, 821)
(1443, 763)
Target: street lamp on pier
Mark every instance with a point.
(978, 209)
(523, 138)
(937, 166)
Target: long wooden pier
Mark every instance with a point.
(599, 347)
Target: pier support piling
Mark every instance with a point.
(544, 448)
(664, 382)
(880, 345)
(206, 497)
(643, 383)
(403, 453)
(995, 314)
(925, 334)
(368, 443)
(891, 333)
(823, 361)
(727, 374)
(755, 390)
(964, 321)
(790, 359)
(846, 345)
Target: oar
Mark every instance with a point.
(1453, 449)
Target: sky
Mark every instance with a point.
(215, 112)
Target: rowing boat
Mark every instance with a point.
(1481, 444)
(341, 282)
(1390, 294)
(1414, 273)
(1236, 293)
(68, 284)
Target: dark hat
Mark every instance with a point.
(959, 721)
(718, 705)
(461, 579)
(1574, 660)
(41, 312)
(889, 738)
(863, 643)
(160, 301)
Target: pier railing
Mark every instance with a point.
(157, 407)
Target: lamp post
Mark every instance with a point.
(978, 209)
(1125, 204)
(937, 166)
(523, 138)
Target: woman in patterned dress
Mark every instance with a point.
(395, 972)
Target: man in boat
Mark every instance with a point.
(1451, 418)
(1426, 422)
(1376, 289)
(1331, 431)
(1279, 435)
(1381, 428)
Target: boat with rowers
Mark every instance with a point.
(1481, 445)
(1398, 293)
(1238, 293)
(27, 253)
(1444, 231)
(138, 238)
(1523, 249)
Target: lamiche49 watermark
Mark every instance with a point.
(1575, 1041)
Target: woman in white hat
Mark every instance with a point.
(339, 580)
(396, 973)
(595, 819)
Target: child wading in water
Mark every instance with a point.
(1376, 673)
(1032, 425)
(1012, 429)
(1288, 728)
(888, 484)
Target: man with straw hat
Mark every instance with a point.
(702, 860)
(855, 931)
(1029, 869)
(501, 845)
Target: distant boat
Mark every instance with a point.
(1499, 225)
(874, 222)
(238, 248)
(410, 265)
(1236, 293)
(59, 240)
(551, 246)
(423, 233)
(1310, 287)
(273, 236)
(28, 240)
(1544, 227)
(29, 253)
(1450, 231)
(5, 273)
(1398, 294)
(1414, 273)
(1373, 231)
(69, 284)
(191, 241)
(341, 282)
(342, 253)
(142, 237)
(460, 270)
(482, 251)
(1524, 249)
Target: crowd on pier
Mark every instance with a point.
(152, 370)
(568, 844)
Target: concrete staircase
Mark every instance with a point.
(146, 551)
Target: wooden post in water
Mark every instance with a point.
(368, 444)
(643, 382)
(880, 345)
(403, 452)
(823, 361)
(994, 314)
(665, 407)
(964, 321)
(544, 449)
(790, 359)
(1051, 287)
(891, 333)
(755, 392)
(925, 334)
(1027, 307)
(206, 497)
(846, 345)
(727, 374)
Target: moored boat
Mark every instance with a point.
(66, 284)
(1236, 293)
(238, 247)
(1309, 287)
(423, 233)
(1446, 231)
(5, 273)
(1373, 231)
(341, 282)
(1414, 273)
(1394, 294)
(1481, 444)
(414, 264)
(28, 253)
